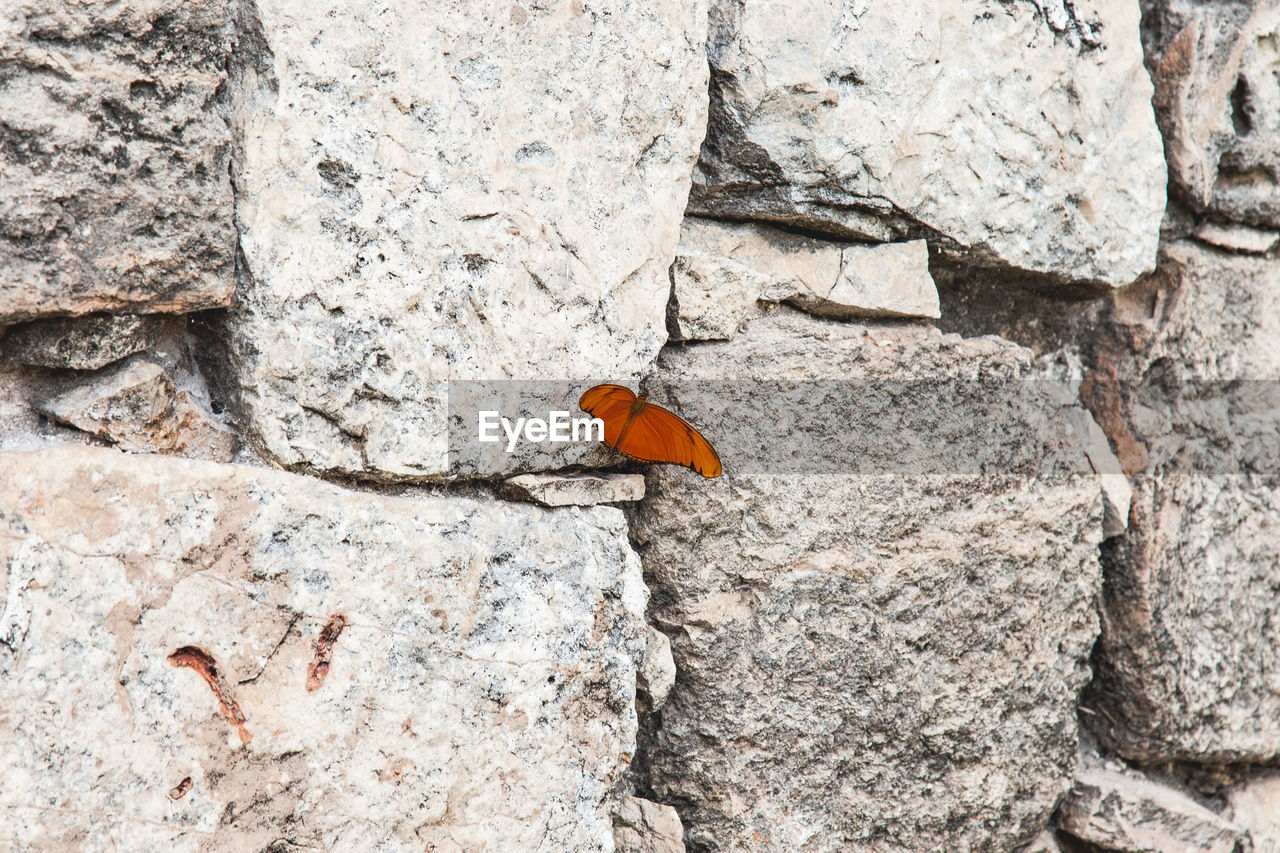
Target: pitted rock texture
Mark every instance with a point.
(420, 200)
(1186, 384)
(1215, 68)
(1014, 135)
(114, 192)
(481, 695)
(873, 661)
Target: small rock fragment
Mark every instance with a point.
(194, 657)
(575, 490)
(81, 343)
(643, 826)
(657, 673)
(723, 270)
(318, 671)
(1117, 493)
(137, 407)
(1238, 238)
(1126, 813)
(181, 789)
(1045, 842)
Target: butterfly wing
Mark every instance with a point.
(611, 404)
(657, 435)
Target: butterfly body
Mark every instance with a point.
(647, 432)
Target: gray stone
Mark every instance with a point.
(1126, 813)
(1185, 386)
(1018, 135)
(641, 826)
(479, 696)
(82, 343)
(864, 654)
(419, 202)
(723, 270)
(114, 192)
(575, 489)
(1214, 66)
(137, 407)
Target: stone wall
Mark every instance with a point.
(978, 300)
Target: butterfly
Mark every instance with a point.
(648, 433)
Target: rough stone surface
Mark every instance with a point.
(642, 826)
(86, 343)
(137, 407)
(875, 661)
(1254, 805)
(723, 270)
(1017, 134)
(1185, 385)
(114, 193)
(419, 202)
(575, 489)
(1128, 814)
(1215, 67)
(480, 696)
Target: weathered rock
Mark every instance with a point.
(1214, 66)
(866, 659)
(952, 121)
(1255, 806)
(480, 695)
(114, 193)
(642, 826)
(658, 671)
(575, 489)
(1237, 238)
(722, 270)
(1129, 814)
(83, 343)
(1185, 385)
(137, 407)
(419, 202)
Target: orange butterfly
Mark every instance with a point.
(648, 433)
